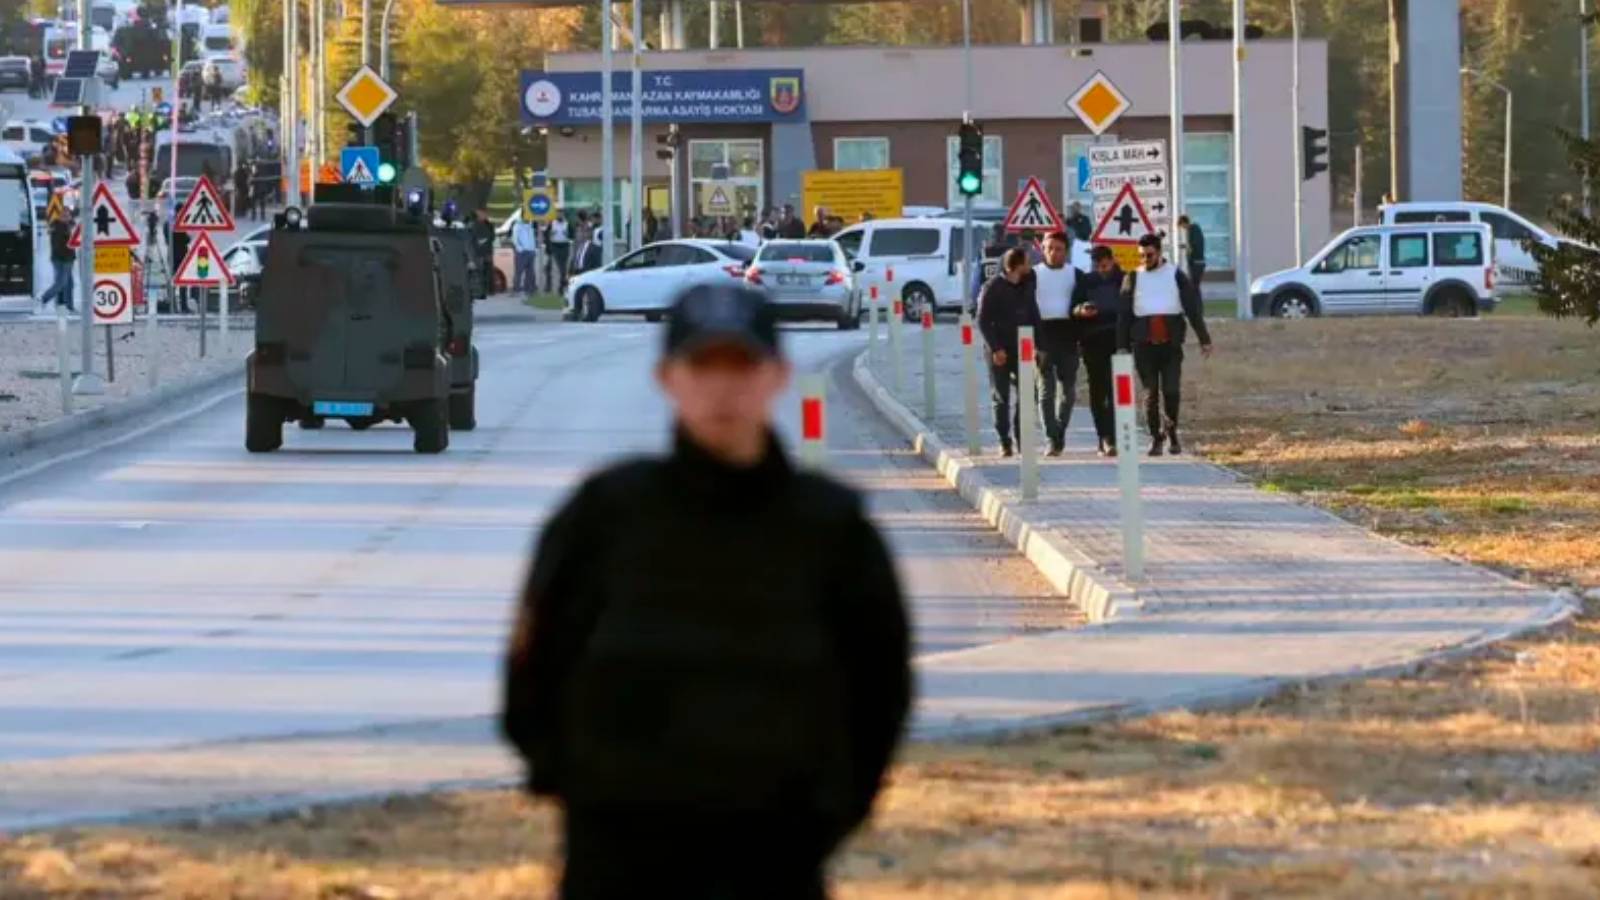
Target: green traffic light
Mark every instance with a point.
(386, 172)
(971, 184)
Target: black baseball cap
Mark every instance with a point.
(722, 314)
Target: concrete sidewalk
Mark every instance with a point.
(1245, 591)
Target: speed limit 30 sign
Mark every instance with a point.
(113, 299)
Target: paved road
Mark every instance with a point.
(174, 592)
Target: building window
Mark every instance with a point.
(1074, 162)
(1208, 193)
(575, 195)
(746, 174)
(860, 153)
(994, 193)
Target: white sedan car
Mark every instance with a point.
(648, 279)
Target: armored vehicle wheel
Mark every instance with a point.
(263, 425)
(312, 423)
(464, 410)
(430, 421)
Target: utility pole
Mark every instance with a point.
(1583, 84)
(738, 22)
(1241, 219)
(1356, 200)
(291, 14)
(1297, 141)
(715, 24)
(1175, 64)
(608, 136)
(966, 199)
(636, 134)
(88, 382)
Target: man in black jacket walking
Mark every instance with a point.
(1094, 307)
(710, 669)
(1007, 304)
(1157, 301)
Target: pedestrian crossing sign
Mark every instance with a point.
(205, 210)
(1032, 210)
(359, 165)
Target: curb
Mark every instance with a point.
(1069, 570)
(115, 413)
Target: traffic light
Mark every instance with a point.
(354, 134)
(1313, 151)
(969, 157)
(386, 132)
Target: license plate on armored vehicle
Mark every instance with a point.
(341, 408)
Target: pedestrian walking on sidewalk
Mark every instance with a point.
(62, 256)
(1196, 239)
(1055, 282)
(525, 259)
(710, 669)
(1007, 304)
(1157, 302)
(1094, 306)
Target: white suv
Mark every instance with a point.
(1431, 269)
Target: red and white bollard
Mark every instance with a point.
(969, 383)
(895, 322)
(1127, 420)
(873, 311)
(1027, 412)
(813, 421)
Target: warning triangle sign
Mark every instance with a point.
(1031, 211)
(202, 266)
(204, 210)
(111, 225)
(1125, 221)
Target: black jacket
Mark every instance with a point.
(793, 229)
(699, 637)
(1133, 329)
(1004, 307)
(1105, 292)
(60, 237)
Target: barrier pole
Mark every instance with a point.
(872, 325)
(63, 352)
(1128, 466)
(813, 421)
(222, 312)
(969, 383)
(929, 400)
(895, 320)
(1027, 412)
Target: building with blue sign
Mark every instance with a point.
(755, 120)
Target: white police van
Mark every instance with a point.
(1515, 266)
(1428, 269)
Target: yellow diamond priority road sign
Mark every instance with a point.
(1098, 103)
(366, 96)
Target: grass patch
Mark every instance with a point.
(544, 301)
(1473, 778)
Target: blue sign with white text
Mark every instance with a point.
(683, 96)
(539, 204)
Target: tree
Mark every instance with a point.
(1569, 273)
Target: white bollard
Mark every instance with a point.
(63, 362)
(222, 310)
(969, 383)
(1123, 395)
(813, 421)
(896, 319)
(930, 402)
(152, 340)
(1027, 413)
(873, 310)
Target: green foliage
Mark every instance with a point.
(1569, 274)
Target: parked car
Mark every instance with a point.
(27, 137)
(1431, 269)
(650, 278)
(230, 70)
(14, 72)
(245, 259)
(1514, 262)
(809, 280)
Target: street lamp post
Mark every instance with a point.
(1506, 187)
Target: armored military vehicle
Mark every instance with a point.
(456, 273)
(354, 323)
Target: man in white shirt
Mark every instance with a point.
(1159, 305)
(560, 241)
(748, 235)
(525, 246)
(1055, 282)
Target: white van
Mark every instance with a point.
(925, 255)
(217, 40)
(1428, 269)
(1514, 262)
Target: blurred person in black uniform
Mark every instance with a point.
(1079, 223)
(1158, 300)
(710, 667)
(1094, 306)
(483, 248)
(1007, 304)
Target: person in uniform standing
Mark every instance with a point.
(1007, 304)
(1055, 283)
(1158, 301)
(1094, 305)
(710, 667)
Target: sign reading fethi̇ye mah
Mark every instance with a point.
(681, 97)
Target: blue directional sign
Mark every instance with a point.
(539, 205)
(359, 165)
(1083, 173)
